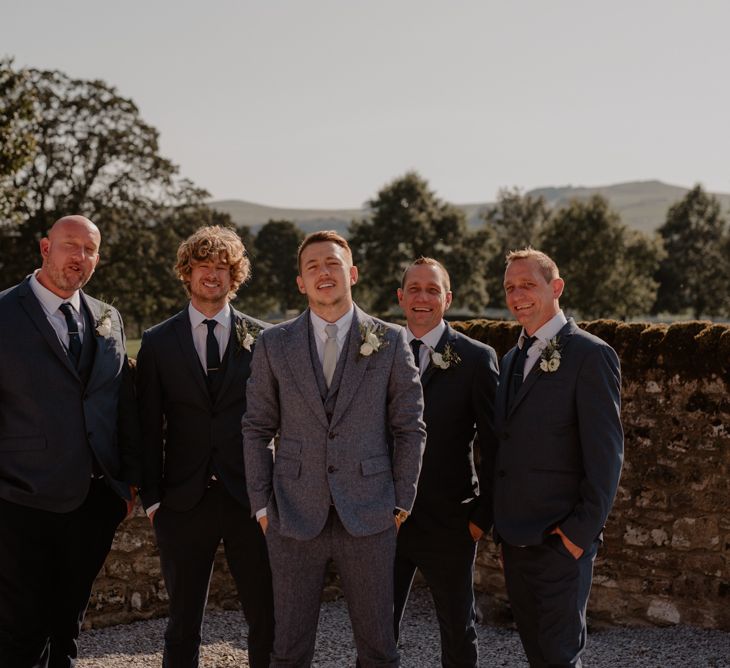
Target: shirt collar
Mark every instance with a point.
(548, 331)
(223, 317)
(50, 301)
(430, 338)
(343, 324)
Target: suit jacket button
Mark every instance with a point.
(501, 473)
(331, 469)
(332, 434)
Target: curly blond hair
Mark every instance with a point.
(214, 242)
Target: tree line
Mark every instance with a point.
(77, 146)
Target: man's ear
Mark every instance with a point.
(558, 286)
(45, 245)
(353, 275)
(300, 285)
(449, 297)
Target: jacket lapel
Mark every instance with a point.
(184, 334)
(447, 337)
(35, 312)
(295, 341)
(536, 373)
(352, 374)
(239, 358)
(94, 310)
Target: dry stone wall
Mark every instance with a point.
(667, 543)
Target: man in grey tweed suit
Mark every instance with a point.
(343, 392)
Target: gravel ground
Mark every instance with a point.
(139, 645)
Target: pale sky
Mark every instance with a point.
(315, 103)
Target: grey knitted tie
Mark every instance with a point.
(329, 359)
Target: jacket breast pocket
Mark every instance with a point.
(22, 443)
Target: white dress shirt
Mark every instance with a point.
(320, 335)
(222, 331)
(50, 303)
(543, 335)
(430, 340)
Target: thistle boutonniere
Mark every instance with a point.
(372, 338)
(550, 356)
(103, 324)
(446, 359)
(246, 334)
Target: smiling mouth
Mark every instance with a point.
(328, 284)
(421, 309)
(522, 307)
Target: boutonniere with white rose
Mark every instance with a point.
(103, 324)
(550, 356)
(246, 334)
(372, 338)
(446, 359)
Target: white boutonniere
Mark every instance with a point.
(246, 334)
(446, 359)
(372, 339)
(103, 325)
(550, 356)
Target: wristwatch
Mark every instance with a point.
(400, 515)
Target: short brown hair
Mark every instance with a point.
(214, 241)
(547, 265)
(317, 237)
(428, 261)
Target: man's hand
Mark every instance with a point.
(475, 531)
(132, 501)
(569, 545)
(264, 524)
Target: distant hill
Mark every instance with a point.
(642, 205)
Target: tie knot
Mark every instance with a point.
(331, 331)
(527, 342)
(416, 345)
(210, 324)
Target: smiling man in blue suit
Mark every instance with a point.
(558, 421)
(68, 447)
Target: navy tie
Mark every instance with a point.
(212, 352)
(518, 370)
(416, 348)
(74, 339)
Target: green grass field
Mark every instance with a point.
(133, 347)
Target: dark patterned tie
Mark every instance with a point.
(212, 352)
(416, 348)
(74, 339)
(518, 370)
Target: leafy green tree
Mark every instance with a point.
(274, 268)
(96, 156)
(607, 267)
(695, 274)
(514, 221)
(407, 220)
(17, 143)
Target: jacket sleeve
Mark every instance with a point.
(407, 428)
(598, 399)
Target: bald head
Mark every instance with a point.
(70, 254)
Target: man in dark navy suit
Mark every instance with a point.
(558, 420)
(192, 372)
(459, 378)
(68, 447)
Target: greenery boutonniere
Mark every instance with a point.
(103, 325)
(446, 359)
(550, 356)
(246, 334)
(372, 337)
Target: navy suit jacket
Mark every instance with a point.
(459, 404)
(187, 435)
(560, 444)
(50, 419)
